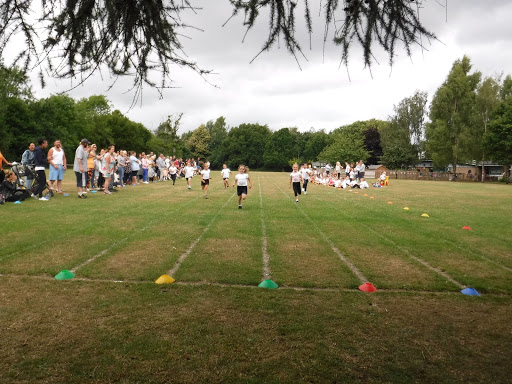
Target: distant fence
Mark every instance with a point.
(438, 176)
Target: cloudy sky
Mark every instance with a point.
(273, 90)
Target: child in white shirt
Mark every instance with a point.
(205, 178)
(225, 175)
(241, 180)
(189, 173)
(295, 179)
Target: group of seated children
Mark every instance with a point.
(354, 178)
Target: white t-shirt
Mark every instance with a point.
(206, 174)
(225, 173)
(352, 175)
(347, 168)
(305, 173)
(189, 172)
(295, 177)
(172, 170)
(241, 179)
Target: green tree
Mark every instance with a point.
(506, 88)
(168, 132)
(279, 149)
(451, 134)
(199, 142)
(127, 134)
(346, 144)
(218, 132)
(487, 99)
(244, 145)
(315, 142)
(92, 115)
(498, 138)
(402, 138)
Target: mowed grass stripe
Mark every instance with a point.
(416, 235)
(449, 233)
(172, 272)
(230, 252)
(309, 258)
(267, 271)
(66, 217)
(380, 263)
(145, 254)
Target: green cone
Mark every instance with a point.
(269, 284)
(64, 275)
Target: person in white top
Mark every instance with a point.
(173, 171)
(295, 180)
(189, 173)
(338, 169)
(306, 175)
(57, 161)
(241, 180)
(205, 178)
(347, 169)
(225, 175)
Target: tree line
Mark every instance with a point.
(469, 118)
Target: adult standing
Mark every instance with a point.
(40, 160)
(160, 163)
(362, 169)
(91, 165)
(144, 163)
(121, 165)
(135, 164)
(80, 167)
(27, 160)
(2, 161)
(57, 161)
(107, 168)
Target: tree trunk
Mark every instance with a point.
(454, 171)
(483, 170)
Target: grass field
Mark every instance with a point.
(112, 323)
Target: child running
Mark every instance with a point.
(241, 181)
(295, 179)
(205, 178)
(172, 171)
(306, 174)
(225, 175)
(189, 172)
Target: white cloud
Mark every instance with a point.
(274, 91)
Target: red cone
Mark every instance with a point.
(466, 227)
(367, 287)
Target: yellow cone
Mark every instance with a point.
(389, 202)
(165, 279)
(357, 192)
(406, 208)
(371, 197)
(425, 215)
(365, 194)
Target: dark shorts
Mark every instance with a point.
(241, 190)
(347, 173)
(225, 178)
(296, 188)
(360, 175)
(188, 178)
(327, 172)
(205, 182)
(79, 179)
(134, 173)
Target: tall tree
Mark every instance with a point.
(168, 131)
(402, 139)
(506, 88)
(498, 138)
(199, 142)
(315, 142)
(243, 145)
(451, 134)
(218, 132)
(346, 144)
(279, 149)
(487, 99)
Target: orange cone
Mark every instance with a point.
(367, 287)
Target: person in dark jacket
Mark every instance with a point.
(8, 188)
(40, 162)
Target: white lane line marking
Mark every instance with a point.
(267, 272)
(405, 251)
(185, 254)
(106, 250)
(340, 254)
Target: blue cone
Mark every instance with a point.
(470, 292)
(17, 202)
